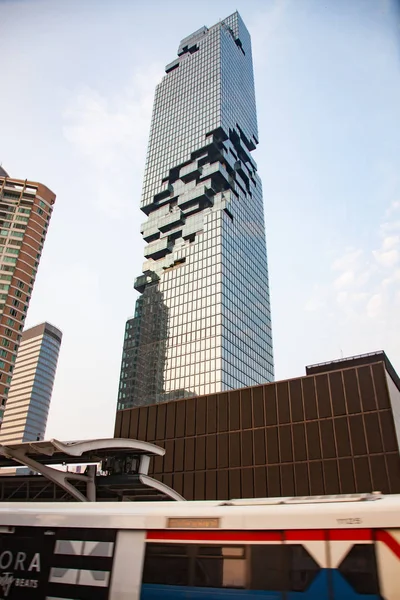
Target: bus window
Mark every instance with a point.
(166, 564)
(217, 566)
(269, 568)
(302, 568)
(208, 572)
(359, 569)
(208, 566)
(234, 573)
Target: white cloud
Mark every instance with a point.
(390, 242)
(374, 305)
(354, 270)
(346, 298)
(344, 280)
(386, 259)
(348, 260)
(110, 134)
(388, 254)
(314, 304)
(362, 298)
(393, 278)
(394, 207)
(390, 226)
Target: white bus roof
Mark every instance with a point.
(270, 513)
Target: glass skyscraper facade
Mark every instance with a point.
(25, 212)
(25, 417)
(202, 322)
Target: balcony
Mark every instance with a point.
(190, 172)
(200, 194)
(158, 249)
(143, 280)
(171, 220)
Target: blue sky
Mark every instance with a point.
(78, 80)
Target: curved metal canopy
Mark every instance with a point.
(55, 452)
(40, 456)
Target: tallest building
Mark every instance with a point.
(202, 320)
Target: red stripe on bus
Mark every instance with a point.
(307, 535)
(214, 536)
(389, 541)
(260, 536)
(350, 535)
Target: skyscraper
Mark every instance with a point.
(202, 322)
(25, 211)
(25, 417)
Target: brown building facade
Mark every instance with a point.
(25, 211)
(333, 431)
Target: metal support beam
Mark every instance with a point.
(125, 463)
(61, 478)
(91, 483)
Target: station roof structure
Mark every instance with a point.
(125, 462)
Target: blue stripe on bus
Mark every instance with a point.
(344, 591)
(318, 590)
(177, 592)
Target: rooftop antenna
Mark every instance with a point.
(341, 353)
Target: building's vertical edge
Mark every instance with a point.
(202, 322)
(394, 399)
(28, 405)
(25, 212)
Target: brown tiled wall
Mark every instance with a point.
(325, 434)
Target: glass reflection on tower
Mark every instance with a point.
(202, 323)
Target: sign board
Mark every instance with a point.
(24, 566)
(190, 523)
(38, 563)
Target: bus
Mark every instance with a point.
(304, 548)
